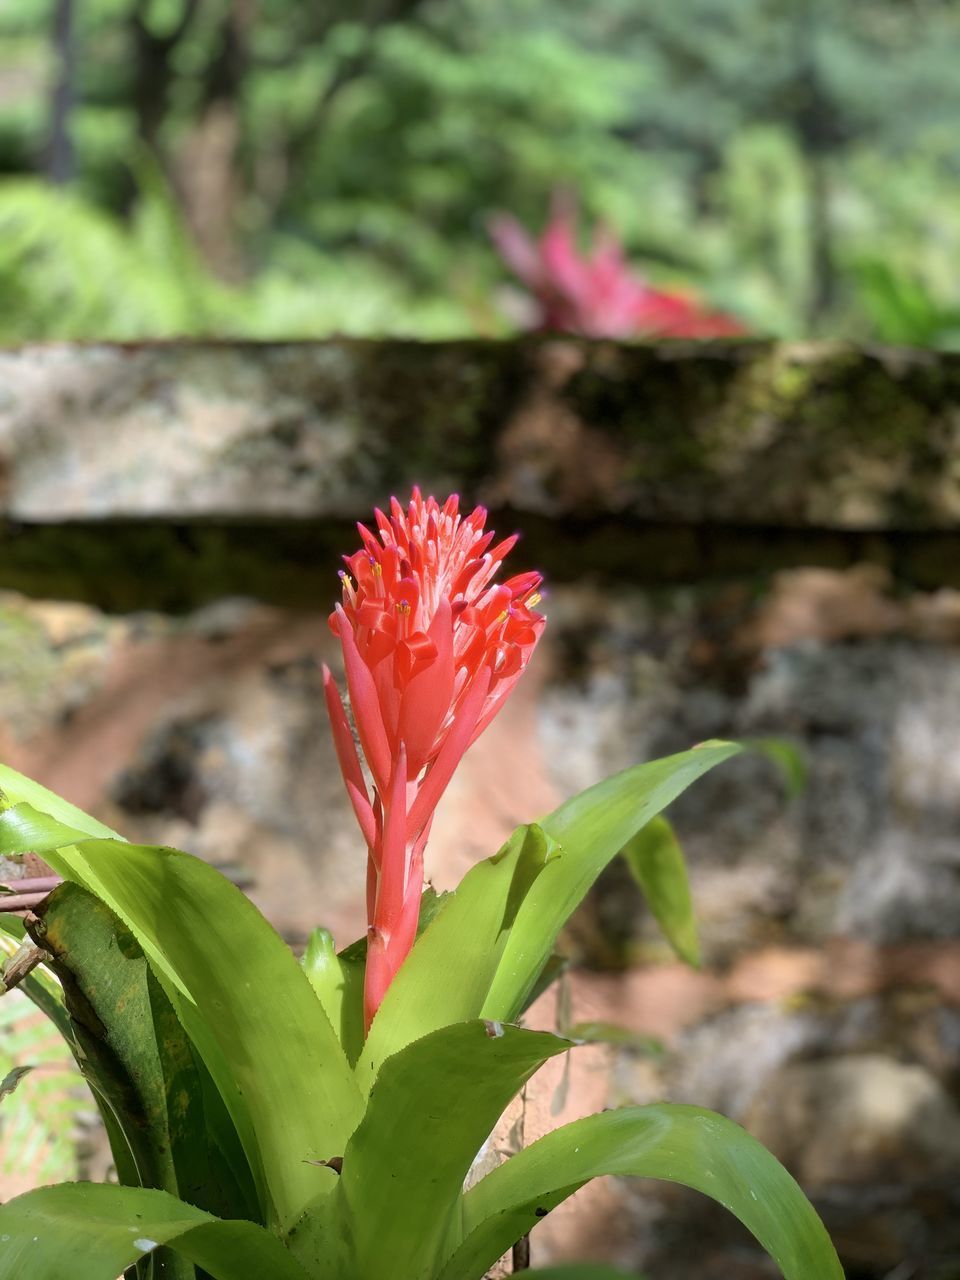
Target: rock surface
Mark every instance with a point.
(795, 435)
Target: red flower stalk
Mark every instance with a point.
(597, 294)
(431, 649)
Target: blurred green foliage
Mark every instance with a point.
(39, 1130)
(272, 168)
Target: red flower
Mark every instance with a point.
(431, 649)
(597, 295)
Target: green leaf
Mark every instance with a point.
(238, 991)
(17, 789)
(590, 830)
(103, 971)
(91, 1231)
(446, 976)
(656, 862)
(10, 1081)
(12, 927)
(139, 1062)
(430, 1111)
(681, 1144)
(338, 982)
(337, 977)
(430, 904)
(787, 756)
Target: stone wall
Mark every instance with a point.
(743, 540)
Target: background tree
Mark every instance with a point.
(319, 167)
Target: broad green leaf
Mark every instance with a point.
(12, 927)
(138, 1060)
(431, 1109)
(338, 982)
(656, 862)
(590, 830)
(24, 829)
(103, 971)
(446, 977)
(91, 1231)
(238, 991)
(681, 1144)
(15, 788)
(430, 904)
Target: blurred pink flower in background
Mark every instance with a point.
(597, 294)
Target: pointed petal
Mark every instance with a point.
(405, 930)
(363, 700)
(373, 878)
(454, 745)
(376, 975)
(368, 540)
(503, 548)
(503, 687)
(426, 699)
(393, 851)
(347, 758)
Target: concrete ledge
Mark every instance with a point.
(795, 436)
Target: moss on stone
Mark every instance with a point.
(646, 463)
(26, 662)
(124, 566)
(432, 410)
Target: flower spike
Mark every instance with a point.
(597, 294)
(432, 647)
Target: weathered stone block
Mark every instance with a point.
(796, 435)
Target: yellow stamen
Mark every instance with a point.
(534, 600)
(349, 593)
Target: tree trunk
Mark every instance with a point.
(206, 166)
(61, 162)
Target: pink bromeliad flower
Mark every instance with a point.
(432, 646)
(596, 294)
